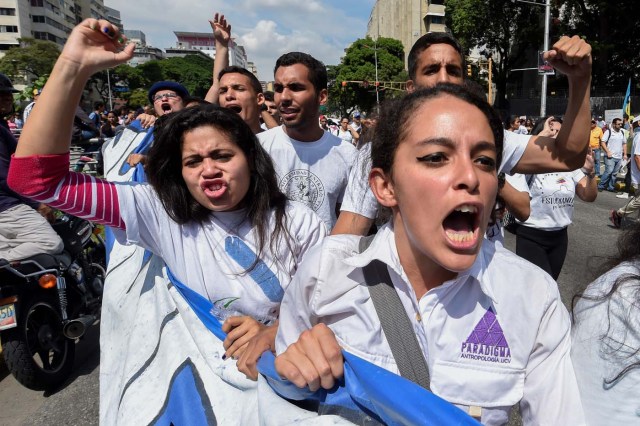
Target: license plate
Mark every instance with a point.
(8, 317)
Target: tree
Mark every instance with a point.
(611, 31)
(192, 71)
(358, 64)
(507, 28)
(33, 57)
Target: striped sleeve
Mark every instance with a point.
(47, 179)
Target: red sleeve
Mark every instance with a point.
(47, 179)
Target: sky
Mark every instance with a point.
(266, 28)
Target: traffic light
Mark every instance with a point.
(469, 72)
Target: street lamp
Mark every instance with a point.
(375, 59)
(547, 19)
(109, 84)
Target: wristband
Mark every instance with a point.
(590, 174)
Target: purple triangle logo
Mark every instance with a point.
(488, 332)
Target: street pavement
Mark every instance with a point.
(591, 240)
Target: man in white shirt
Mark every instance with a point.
(614, 145)
(634, 205)
(438, 58)
(312, 165)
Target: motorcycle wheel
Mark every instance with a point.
(36, 352)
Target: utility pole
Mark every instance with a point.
(543, 95)
(490, 65)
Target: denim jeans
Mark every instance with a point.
(611, 167)
(596, 161)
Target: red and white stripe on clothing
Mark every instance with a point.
(47, 179)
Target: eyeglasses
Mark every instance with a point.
(157, 98)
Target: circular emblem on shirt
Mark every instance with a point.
(303, 186)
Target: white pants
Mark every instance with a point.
(25, 233)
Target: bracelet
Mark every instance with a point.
(590, 175)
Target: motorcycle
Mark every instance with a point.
(47, 302)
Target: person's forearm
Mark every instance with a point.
(573, 139)
(220, 62)
(587, 189)
(51, 120)
(636, 158)
(268, 120)
(518, 203)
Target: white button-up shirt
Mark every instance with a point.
(495, 336)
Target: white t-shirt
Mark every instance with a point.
(635, 151)
(614, 141)
(495, 231)
(552, 197)
(489, 340)
(604, 340)
(360, 200)
(313, 173)
(345, 135)
(213, 257)
(521, 130)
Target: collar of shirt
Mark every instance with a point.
(383, 248)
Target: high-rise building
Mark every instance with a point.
(50, 20)
(406, 20)
(113, 16)
(205, 43)
(136, 36)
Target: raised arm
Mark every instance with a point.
(572, 57)
(40, 167)
(92, 46)
(222, 34)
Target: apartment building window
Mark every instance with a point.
(8, 28)
(37, 18)
(437, 19)
(37, 3)
(7, 11)
(39, 35)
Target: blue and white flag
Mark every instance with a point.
(626, 104)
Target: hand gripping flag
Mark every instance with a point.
(368, 394)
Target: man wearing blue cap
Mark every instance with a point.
(166, 97)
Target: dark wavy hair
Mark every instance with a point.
(628, 251)
(317, 70)
(392, 123)
(164, 171)
(425, 42)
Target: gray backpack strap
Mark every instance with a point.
(395, 322)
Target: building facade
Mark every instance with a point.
(406, 20)
(50, 20)
(205, 43)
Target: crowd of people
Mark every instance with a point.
(299, 225)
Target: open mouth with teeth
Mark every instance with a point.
(166, 107)
(214, 189)
(462, 225)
